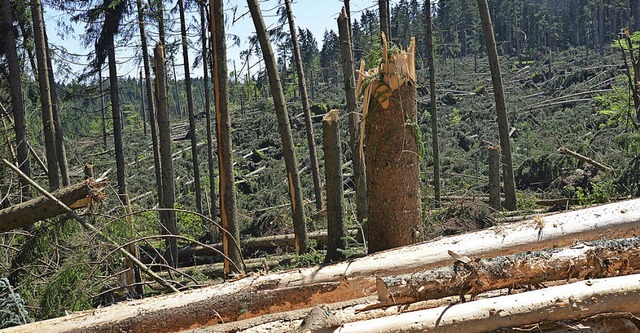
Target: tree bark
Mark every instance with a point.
(116, 113)
(103, 110)
(168, 216)
(45, 95)
(383, 8)
(569, 302)
(359, 174)
(228, 208)
(76, 196)
(284, 128)
(150, 101)
(501, 106)
(213, 209)
(17, 105)
(302, 83)
(142, 106)
(394, 149)
(335, 191)
(192, 120)
(471, 276)
(598, 165)
(435, 142)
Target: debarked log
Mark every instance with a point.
(76, 196)
(568, 302)
(472, 276)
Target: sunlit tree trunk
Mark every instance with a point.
(164, 128)
(228, 210)
(284, 128)
(434, 106)
(313, 157)
(501, 106)
(15, 89)
(383, 7)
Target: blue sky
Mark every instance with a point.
(315, 15)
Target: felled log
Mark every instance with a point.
(569, 302)
(76, 196)
(261, 243)
(255, 296)
(474, 276)
(598, 165)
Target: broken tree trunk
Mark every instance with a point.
(394, 147)
(598, 165)
(474, 276)
(76, 196)
(335, 190)
(255, 296)
(569, 302)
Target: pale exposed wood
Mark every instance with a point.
(470, 276)
(598, 165)
(570, 302)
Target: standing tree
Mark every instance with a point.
(45, 94)
(313, 157)
(164, 129)
(501, 106)
(383, 7)
(434, 106)
(392, 137)
(284, 128)
(192, 121)
(228, 210)
(15, 89)
(359, 175)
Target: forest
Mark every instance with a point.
(449, 165)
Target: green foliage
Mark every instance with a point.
(66, 292)
(602, 191)
(616, 104)
(12, 310)
(526, 200)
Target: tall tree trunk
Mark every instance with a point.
(392, 138)
(103, 110)
(150, 101)
(117, 124)
(213, 211)
(61, 151)
(434, 106)
(45, 95)
(284, 128)
(383, 7)
(313, 157)
(600, 21)
(359, 174)
(501, 106)
(228, 210)
(17, 105)
(164, 128)
(142, 105)
(192, 120)
(335, 193)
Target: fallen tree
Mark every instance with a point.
(80, 195)
(255, 296)
(569, 302)
(473, 276)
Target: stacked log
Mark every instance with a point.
(476, 282)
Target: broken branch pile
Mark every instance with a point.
(377, 286)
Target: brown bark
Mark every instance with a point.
(168, 217)
(569, 302)
(359, 175)
(335, 191)
(190, 112)
(598, 165)
(27, 213)
(501, 107)
(45, 95)
(313, 156)
(393, 153)
(228, 209)
(15, 89)
(385, 26)
(116, 114)
(284, 129)
(435, 142)
(471, 276)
